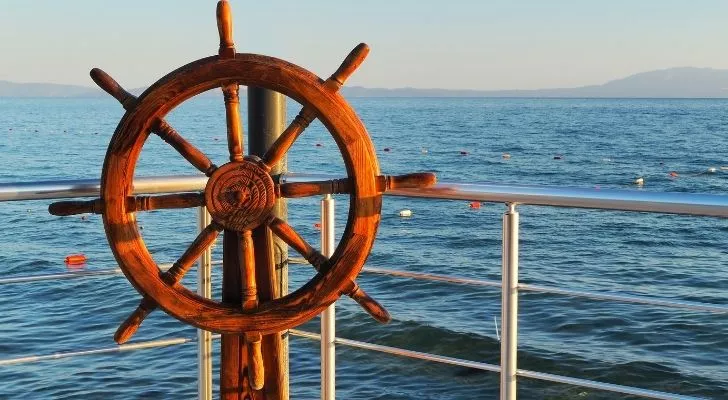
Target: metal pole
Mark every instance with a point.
(266, 122)
(204, 338)
(328, 317)
(509, 304)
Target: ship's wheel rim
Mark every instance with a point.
(336, 115)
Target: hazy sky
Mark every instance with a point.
(475, 44)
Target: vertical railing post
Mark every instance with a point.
(328, 317)
(204, 338)
(509, 304)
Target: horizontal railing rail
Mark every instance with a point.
(512, 195)
(423, 276)
(596, 198)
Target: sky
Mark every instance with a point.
(454, 44)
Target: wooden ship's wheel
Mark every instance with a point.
(240, 196)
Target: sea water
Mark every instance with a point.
(590, 143)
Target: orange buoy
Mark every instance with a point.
(317, 225)
(474, 204)
(74, 259)
(673, 174)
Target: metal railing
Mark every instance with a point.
(511, 195)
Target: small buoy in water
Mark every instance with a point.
(506, 156)
(75, 259)
(84, 218)
(319, 145)
(673, 174)
(423, 150)
(558, 157)
(712, 170)
(463, 153)
(317, 225)
(474, 204)
(216, 139)
(405, 213)
(387, 149)
(723, 168)
(639, 181)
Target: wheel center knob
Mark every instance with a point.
(240, 195)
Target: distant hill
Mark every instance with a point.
(686, 82)
(13, 89)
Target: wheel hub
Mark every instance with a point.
(240, 195)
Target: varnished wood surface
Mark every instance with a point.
(134, 203)
(341, 186)
(335, 114)
(172, 277)
(191, 153)
(321, 264)
(160, 127)
(112, 87)
(230, 92)
(249, 302)
(307, 114)
(225, 29)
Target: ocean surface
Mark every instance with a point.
(604, 143)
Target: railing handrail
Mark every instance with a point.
(559, 196)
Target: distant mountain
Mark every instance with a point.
(12, 89)
(686, 82)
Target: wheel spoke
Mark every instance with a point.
(284, 142)
(112, 87)
(225, 29)
(321, 263)
(172, 277)
(133, 204)
(247, 270)
(253, 340)
(166, 201)
(306, 189)
(73, 207)
(191, 153)
(232, 116)
(352, 61)
(339, 186)
(293, 239)
(160, 128)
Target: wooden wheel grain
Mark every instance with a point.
(335, 275)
